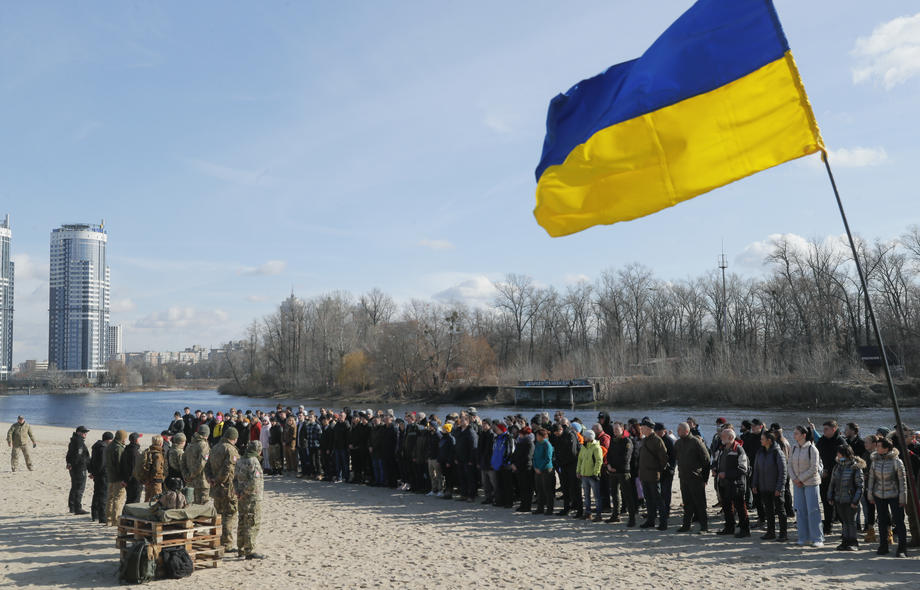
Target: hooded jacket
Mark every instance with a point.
(502, 449)
(590, 460)
(96, 465)
(113, 454)
(847, 482)
(887, 477)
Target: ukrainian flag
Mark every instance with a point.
(716, 98)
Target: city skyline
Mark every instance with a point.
(321, 149)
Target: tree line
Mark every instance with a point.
(805, 316)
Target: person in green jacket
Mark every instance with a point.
(588, 470)
(116, 478)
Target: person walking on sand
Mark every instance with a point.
(115, 495)
(18, 437)
(77, 462)
(805, 472)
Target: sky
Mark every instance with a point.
(239, 151)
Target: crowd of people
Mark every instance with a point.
(818, 480)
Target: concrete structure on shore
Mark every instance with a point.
(6, 301)
(78, 312)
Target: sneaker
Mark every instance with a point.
(440, 494)
(430, 494)
(817, 544)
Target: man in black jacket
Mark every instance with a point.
(189, 423)
(484, 452)
(522, 465)
(827, 450)
(465, 458)
(340, 447)
(97, 474)
(77, 462)
(565, 456)
(693, 461)
(619, 457)
(129, 459)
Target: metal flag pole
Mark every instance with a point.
(914, 508)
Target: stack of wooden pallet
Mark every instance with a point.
(200, 537)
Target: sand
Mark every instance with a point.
(317, 534)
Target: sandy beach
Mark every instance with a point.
(343, 536)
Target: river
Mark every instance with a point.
(145, 411)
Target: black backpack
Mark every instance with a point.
(137, 567)
(177, 563)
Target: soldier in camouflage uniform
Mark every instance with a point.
(194, 460)
(220, 469)
(18, 437)
(174, 458)
(248, 484)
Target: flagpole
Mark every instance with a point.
(902, 442)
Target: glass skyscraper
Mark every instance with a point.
(6, 301)
(78, 313)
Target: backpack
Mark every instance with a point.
(177, 563)
(138, 566)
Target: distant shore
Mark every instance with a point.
(646, 392)
(197, 384)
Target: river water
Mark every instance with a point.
(145, 411)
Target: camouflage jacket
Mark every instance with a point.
(19, 434)
(222, 462)
(174, 462)
(154, 469)
(194, 460)
(248, 480)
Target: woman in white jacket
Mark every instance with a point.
(805, 472)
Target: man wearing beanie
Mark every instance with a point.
(115, 478)
(220, 471)
(96, 471)
(194, 460)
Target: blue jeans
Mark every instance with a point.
(591, 485)
(808, 514)
(380, 474)
(341, 464)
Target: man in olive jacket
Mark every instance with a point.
(18, 437)
(693, 471)
(115, 496)
(653, 458)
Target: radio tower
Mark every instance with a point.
(723, 323)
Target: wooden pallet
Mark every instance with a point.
(200, 537)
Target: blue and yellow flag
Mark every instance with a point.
(716, 98)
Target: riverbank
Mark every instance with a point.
(345, 536)
(196, 384)
(650, 392)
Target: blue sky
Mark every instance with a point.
(239, 150)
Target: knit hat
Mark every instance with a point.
(134, 436)
(527, 430)
(179, 438)
(204, 430)
(721, 421)
(589, 436)
(121, 435)
(501, 427)
(578, 427)
(230, 433)
(647, 423)
(107, 436)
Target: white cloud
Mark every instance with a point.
(30, 268)
(755, 254)
(122, 305)
(575, 279)
(181, 318)
(891, 54)
(436, 244)
(477, 291)
(272, 267)
(857, 157)
(256, 298)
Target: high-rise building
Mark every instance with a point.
(115, 345)
(78, 313)
(6, 301)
